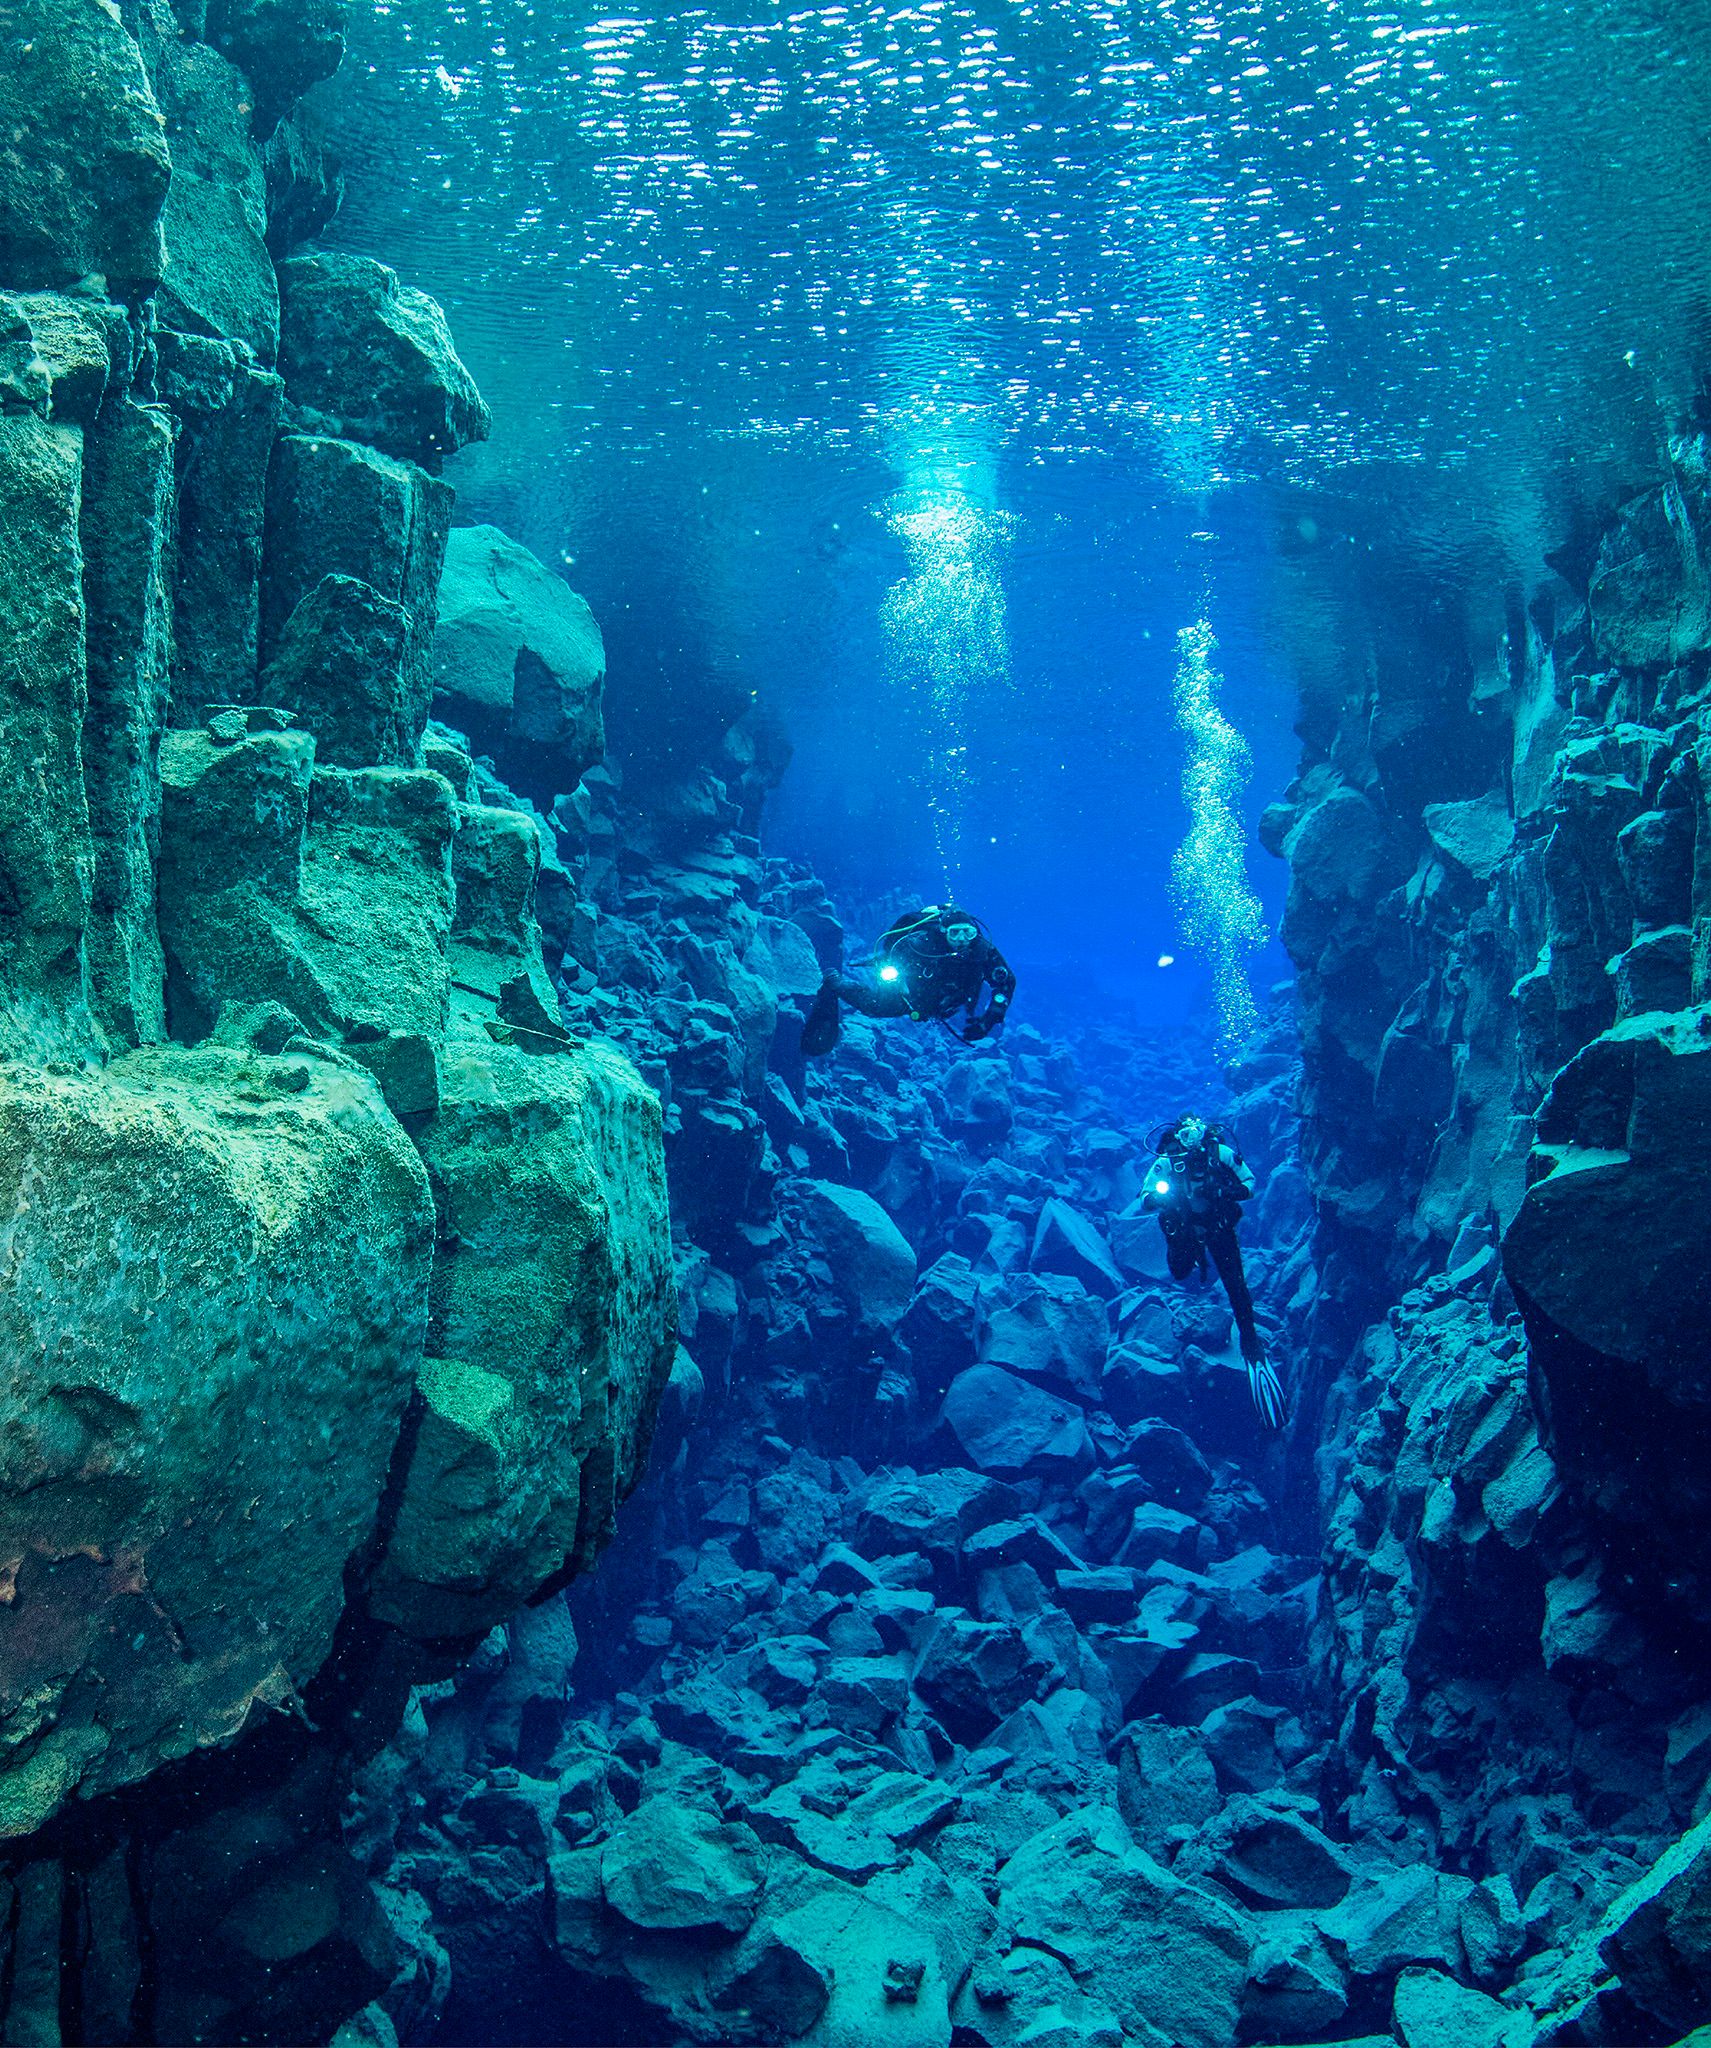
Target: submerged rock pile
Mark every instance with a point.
(972, 1672)
(337, 1291)
(928, 1652)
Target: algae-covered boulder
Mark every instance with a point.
(326, 891)
(83, 154)
(551, 1333)
(45, 853)
(553, 1323)
(228, 412)
(61, 353)
(374, 358)
(339, 670)
(217, 278)
(125, 528)
(336, 508)
(213, 1300)
(519, 663)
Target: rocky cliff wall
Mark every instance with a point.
(1497, 911)
(336, 1285)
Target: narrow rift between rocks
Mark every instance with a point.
(529, 1511)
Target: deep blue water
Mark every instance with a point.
(1203, 311)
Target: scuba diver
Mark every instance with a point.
(1196, 1185)
(930, 964)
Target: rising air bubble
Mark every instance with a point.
(1215, 902)
(946, 633)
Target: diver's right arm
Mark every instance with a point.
(1159, 1184)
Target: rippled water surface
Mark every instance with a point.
(1106, 317)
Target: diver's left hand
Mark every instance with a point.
(975, 1030)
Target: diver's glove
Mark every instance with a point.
(1267, 1390)
(976, 1029)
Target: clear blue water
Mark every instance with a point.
(924, 370)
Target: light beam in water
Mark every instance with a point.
(1215, 901)
(945, 625)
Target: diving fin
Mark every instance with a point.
(823, 1025)
(1267, 1390)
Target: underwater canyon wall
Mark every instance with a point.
(1497, 849)
(337, 1294)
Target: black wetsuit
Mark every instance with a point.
(930, 964)
(1197, 1191)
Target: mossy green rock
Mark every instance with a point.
(83, 155)
(45, 851)
(218, 277)
(551, 1334)
(215, 1283)
(326, 891)
(374, 358)
(126, 524)
(339, 669)
(336, 508)
(518, 659)
(229, 414)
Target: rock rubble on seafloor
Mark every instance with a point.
(968, 1669)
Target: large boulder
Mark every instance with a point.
(1474, 835)
(84, 166)
(782, 954)
(374, 358)
(1066, 1242)
(337, 508)
(218, 278)
(880, 1954)
(1050, 1329)
(1169, 1960)
(125, 528)
(552, 1333)
(228, 412)
(1610, 1259)
(215, 1293)
(519, 664)
(324, 892)
(45, 851)
(974, 1674)
(1028, 1997)
(1011, 1428)
(1650, 596)
(944, 1324)
(1434, 2011)
(338, 668)
(678, 1869)
(871, 1263)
